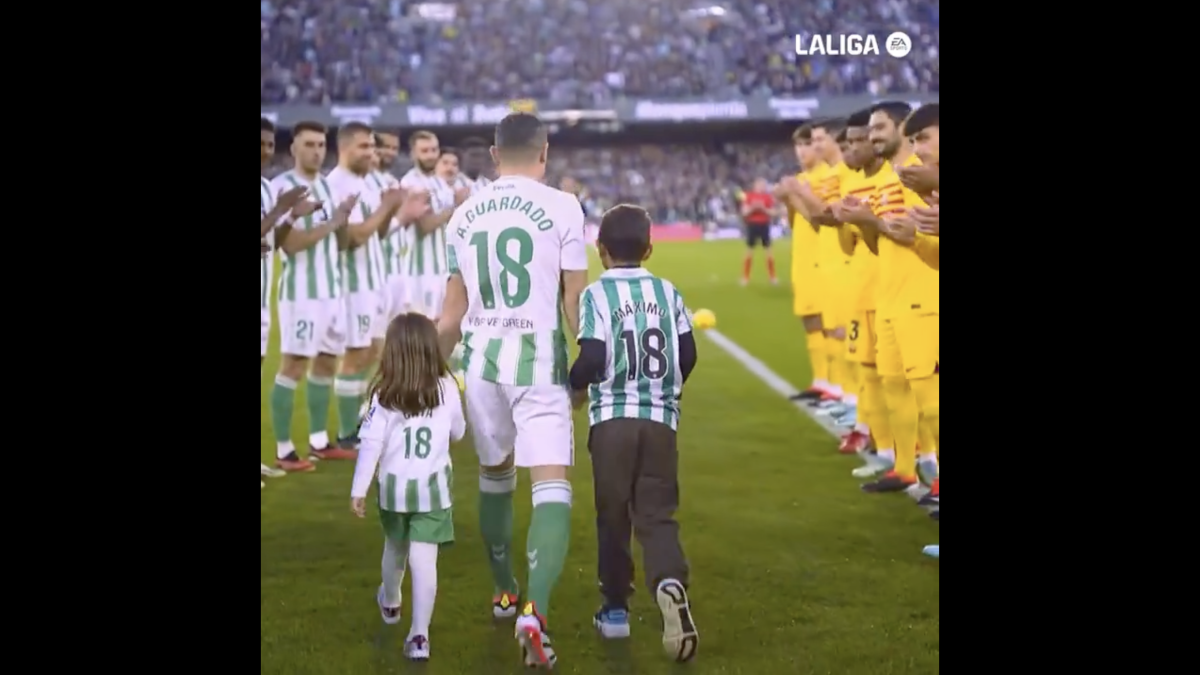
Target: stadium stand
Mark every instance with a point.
(375, 51)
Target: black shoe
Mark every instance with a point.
(806, 395)
(349, 442)
(890, 482)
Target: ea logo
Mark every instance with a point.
(898, 45)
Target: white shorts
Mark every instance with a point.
(426, 295)
(366, 318)
(311, 327)
(397, 296)
(533, 423)
(264, 320)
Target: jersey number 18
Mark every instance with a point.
(514, 270)
(645, 354)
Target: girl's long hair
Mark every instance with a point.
(412, 367)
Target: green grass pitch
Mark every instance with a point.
(794, 569)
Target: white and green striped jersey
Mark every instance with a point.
(395, 240)
(362, 267)
(475, 186)
(314, 273)
(266, 202)
(639, 317)
(511, 244)
(427, 252)
(416, 474)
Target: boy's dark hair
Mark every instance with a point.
(521, 136)
(625, 233)
(895, 110)
(265, 124)
(921, 119)
(412, 367)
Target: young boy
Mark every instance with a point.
(636, 351)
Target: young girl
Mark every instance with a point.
(415, 413)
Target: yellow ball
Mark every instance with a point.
(704, 319)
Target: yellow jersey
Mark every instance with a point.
(805, 261)
(864, 265)
(827, 186)
(906, 283)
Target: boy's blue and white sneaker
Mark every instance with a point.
(679, 637)
(612, 622)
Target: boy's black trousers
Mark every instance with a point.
(635, 467)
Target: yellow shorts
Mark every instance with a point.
(908, 345)
(861, 340)
(836, 304)
(806, 295)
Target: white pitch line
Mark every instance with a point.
(785, 389)
(770, 378)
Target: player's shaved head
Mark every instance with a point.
(624, 237)
(922, 118)
(521, 139)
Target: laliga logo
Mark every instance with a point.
(897, 45)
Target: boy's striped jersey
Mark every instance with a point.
(639, 317)
(412, 453)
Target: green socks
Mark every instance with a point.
(319, 390)
(283, 395)
(549, 539)
(496, 526)
(349, 390)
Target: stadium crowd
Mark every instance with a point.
(374, 51)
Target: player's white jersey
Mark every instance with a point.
(395, 242)
(362, 267)
(314, 273)
(415, 470)
(427, 252)
(266, 202)
(511, 243)
(475, 186)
